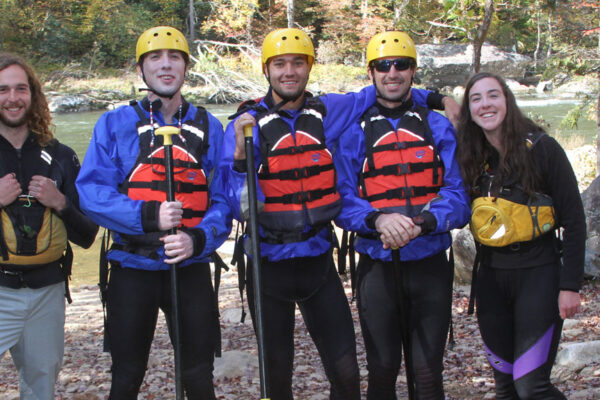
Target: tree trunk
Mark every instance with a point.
(550, 37)
(598, 137)
(538, 45)
(290, 13)
(398, 8)
(481, 34)
(364, 8)
(192, 22)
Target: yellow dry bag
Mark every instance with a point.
(498, 222)
(32, 234)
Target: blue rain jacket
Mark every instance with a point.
(342, 112)
(111, 155)
(451, 208)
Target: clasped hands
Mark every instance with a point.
(396, 230)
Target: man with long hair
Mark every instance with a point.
(39, 215)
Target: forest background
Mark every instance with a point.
(88, 45)
(97, 37)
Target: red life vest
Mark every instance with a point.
(402, 171)
(296, 175)
(146, 180)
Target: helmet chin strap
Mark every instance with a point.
(149, 89)
(285, 99)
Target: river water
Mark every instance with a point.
(75, 129)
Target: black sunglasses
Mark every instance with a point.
(401, 64)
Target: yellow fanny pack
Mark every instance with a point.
(31, 234)
(498, 222)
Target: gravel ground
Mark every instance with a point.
(85, 373)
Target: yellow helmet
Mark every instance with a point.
(287, 41)
(160, 38)
(391, 44)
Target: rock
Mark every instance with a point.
(235, 363)
(570, 324)
(560, 79)
(517, 87)
(591, 206)
(74, 103)
(449, 65)
(62, 104)
(583, 161)
(231, 315)
(464, 255)
(544, 86)
(576, 356)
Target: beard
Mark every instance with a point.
(16, 123)
(291, 96)
(396, 98)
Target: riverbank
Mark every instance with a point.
(234, 79)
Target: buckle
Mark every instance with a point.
(12, 273)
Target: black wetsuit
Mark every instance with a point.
(313, 284)
(517, 287)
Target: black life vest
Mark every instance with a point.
(296, 174)
(402, 170)
(146, 180)
(31, 234)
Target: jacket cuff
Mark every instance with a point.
(240, 166)
(370, 219)
(426, 220)
(198, 238)
(68, 212)
(434, 101)
(150, 215)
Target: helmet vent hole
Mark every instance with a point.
(156, 34)
(297, 38)
(284, 38)
(396, 40)
(168, 33)
(383, 41)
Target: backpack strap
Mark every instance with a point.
(476, 265)
(66, 264)
(239, 260)
(219, 264)
(103, 282)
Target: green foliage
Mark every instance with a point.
(586, 109)
(573, 61)
(102, 33)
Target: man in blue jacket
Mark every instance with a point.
(122, 187)
(293, 137)
(401, 188)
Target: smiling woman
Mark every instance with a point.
(487, 105)
(518, 171)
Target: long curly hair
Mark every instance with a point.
(474, 150)
(38, 117)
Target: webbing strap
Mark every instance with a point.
(301, 197)
(403, 193)
(297, 173)
(161, 186)
(399, 169)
